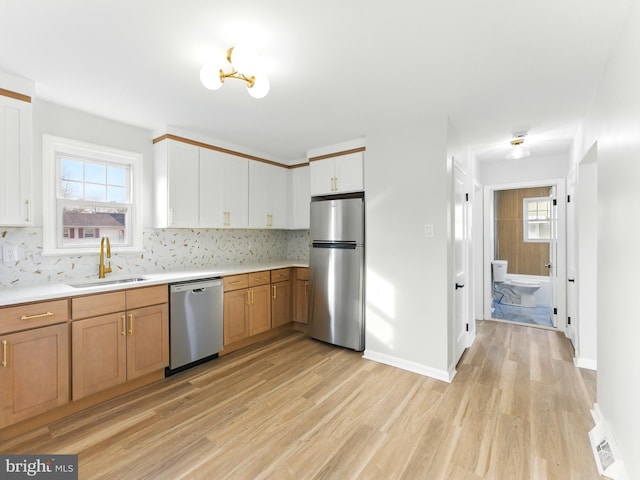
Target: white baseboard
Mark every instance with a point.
(605, 449)
(588, 363)
(410, 366)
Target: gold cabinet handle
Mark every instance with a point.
(39, 315)
(306, 289)
(251, 297)
(274, 294)
(131, 324)
(124, 326)
(235, 282)
(248, 301)
(4, 353)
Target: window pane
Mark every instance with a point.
(117, 176)
(72, 169)
(117, 194)
(72, 190)
(94, 223)
(95, 173)
(96, 193)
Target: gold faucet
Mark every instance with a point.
(101, 268)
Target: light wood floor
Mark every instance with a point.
(295, 408)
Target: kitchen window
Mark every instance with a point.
(537, 219)
(91, 191)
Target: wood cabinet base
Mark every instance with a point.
(82, 404)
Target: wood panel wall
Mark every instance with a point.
(524, 258)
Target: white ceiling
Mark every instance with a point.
(338, 68)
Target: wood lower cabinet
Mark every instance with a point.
(247, 306)
(301, 304)
(125, 336)
(280, 297)
(34, 374)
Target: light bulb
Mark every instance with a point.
(260, 87)
(210, 76)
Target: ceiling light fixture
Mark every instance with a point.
(213, 75)
(518, 150)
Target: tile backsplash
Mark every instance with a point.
(164, 250)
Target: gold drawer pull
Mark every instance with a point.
(131, 324)
(235, 282)
(40, 315)
(124, 326)
(4, 353)
(274, 287)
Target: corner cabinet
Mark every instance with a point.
(15, 160)
(267, 196)
(299, 218)
(301, 305)
(34, 348)
(337, 174)
(117, 337)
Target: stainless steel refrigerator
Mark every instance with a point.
(336, 270)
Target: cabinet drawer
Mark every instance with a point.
(259, 278)
(146, 296)
(33, 315)
(302, 273)
(235, 282)
(280, 275)
(95, 305)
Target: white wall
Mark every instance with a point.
(535, 167)
(407, 185)
(613, 122)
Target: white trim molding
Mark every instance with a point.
(410, 366)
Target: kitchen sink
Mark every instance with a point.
(105, 282)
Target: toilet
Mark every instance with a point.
(520, 293)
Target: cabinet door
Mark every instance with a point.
(183, 177)
(259, 309)
(349, 172)
(321, 173)
(277, 197)
(35, 378)
(15, 162)
(236, 191)
(99, 359)
(267, 196)
(147, 340)
(302, 301)
(236, 319)
(300, 198)
(280, 303)
(212, 189)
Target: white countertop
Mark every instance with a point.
(15, 295)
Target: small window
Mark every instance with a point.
(537, 219)
(93, 192)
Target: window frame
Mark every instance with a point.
(525, 219)
(52, 148)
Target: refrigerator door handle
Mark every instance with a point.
(349, 245)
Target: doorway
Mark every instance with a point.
(524, 227)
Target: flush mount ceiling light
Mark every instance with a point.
(243, 67)
(517, 150)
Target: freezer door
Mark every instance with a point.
(336, 309)
(338, 219)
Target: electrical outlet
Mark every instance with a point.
(10, 254)
(429, 230)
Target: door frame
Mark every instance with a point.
(489, 241)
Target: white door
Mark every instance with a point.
(572, 262)
(552, 266)
(461, 232)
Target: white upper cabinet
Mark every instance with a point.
(342, 173)
(15, 161)
(267, 196)
(224, 190)
(177, 173)
(299, 186)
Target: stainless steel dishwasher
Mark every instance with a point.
(196, 322)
